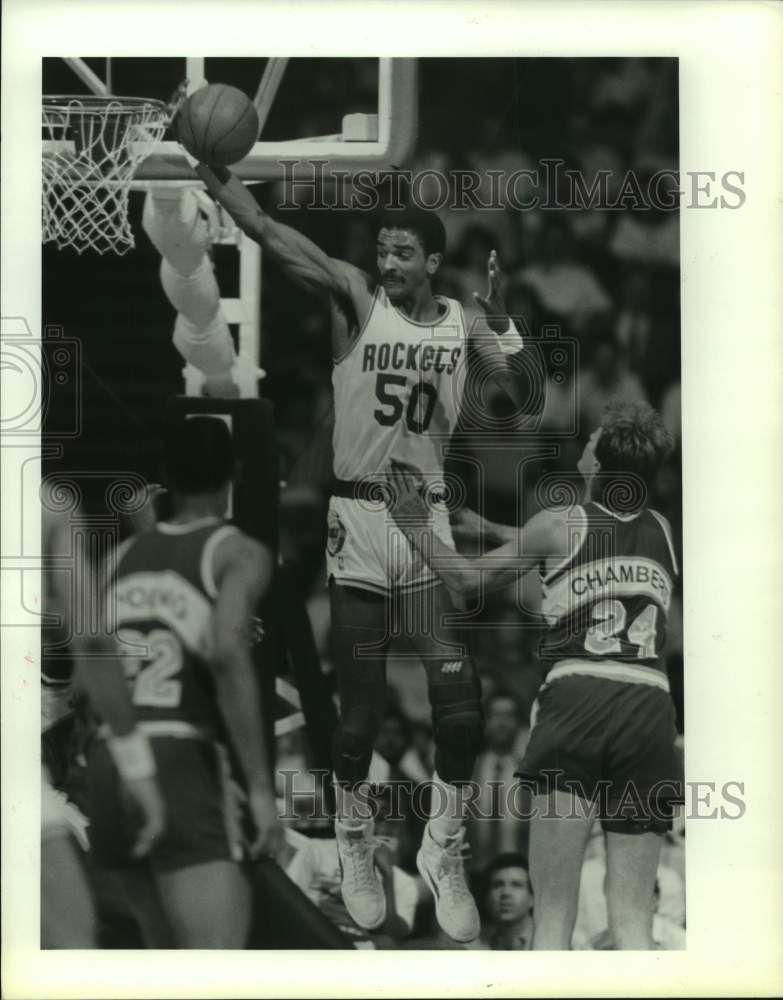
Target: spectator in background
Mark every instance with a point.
(508, 904)
(565, 287)
(391, 746)
(469, 271)
(651, 234)
(495, 829)
(633, 326)
(647, 328)
(606, 380)
(671, 411)
(558, 414)
(507, 911)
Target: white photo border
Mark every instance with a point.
(731, 82)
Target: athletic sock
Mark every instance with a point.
(447, 810)
(353, 811)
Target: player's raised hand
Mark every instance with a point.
(494, 302)
(407, 483)
(270, 834)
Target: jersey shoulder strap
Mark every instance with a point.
(208, 556)
(667, 534)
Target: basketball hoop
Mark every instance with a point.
(92, 147)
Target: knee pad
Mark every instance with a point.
(351, 754)
(457, 721)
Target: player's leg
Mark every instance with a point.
(559, 831)
(641, 758)
(359, 621)
(67, 912)
(632, 863)
(360, 639)
(455, 701)
(129, 908)
(207, 905)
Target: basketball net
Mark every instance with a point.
(94, 146)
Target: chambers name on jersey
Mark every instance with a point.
(398, 389)
(610, 599)
(162, 596)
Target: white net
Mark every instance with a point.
(92, 147)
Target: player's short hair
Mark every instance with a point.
(633, 441)
(508, 859)
(424, 224)
(198, 454)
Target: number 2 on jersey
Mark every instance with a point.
(609, 617)
(415, 421)
(151, 676)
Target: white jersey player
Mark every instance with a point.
(406, 379)
(399, 356)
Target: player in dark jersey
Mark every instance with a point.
(67, 913)
(603, 727)
(184, 594)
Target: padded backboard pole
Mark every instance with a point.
(194, 72)
(243, 312)
(86, 75)
(267, 89)
(249, 348)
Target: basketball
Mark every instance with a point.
(218, 124)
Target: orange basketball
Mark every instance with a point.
(218, 124)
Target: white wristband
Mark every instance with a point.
(510, 341)
(132, 755)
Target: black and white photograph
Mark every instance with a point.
(350, 442)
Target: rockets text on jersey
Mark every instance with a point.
(397, 390)
(610, 598)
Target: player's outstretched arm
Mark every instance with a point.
(470, 525)
(300, 258)
(541, 537)
(243, 571)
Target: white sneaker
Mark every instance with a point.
(443, 869)
(360, 885)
